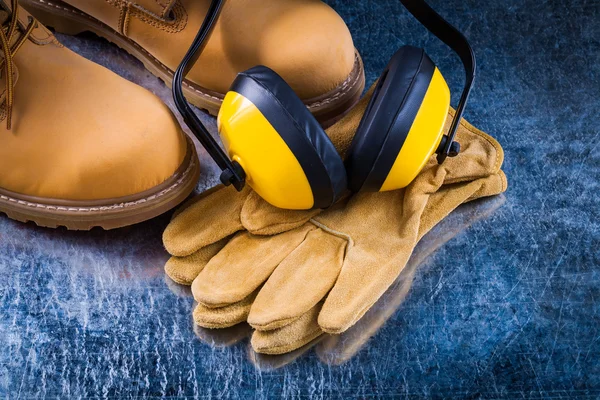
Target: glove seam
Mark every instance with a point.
(266, 229)
(333, 232)
(273, 325)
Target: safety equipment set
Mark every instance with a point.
(294, 275)
(297, 256)
(277, 146)
(330, 216)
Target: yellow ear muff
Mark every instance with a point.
(424, 136)
(402, 126)
(286, 155)
(271, 168)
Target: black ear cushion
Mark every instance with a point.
(388, 119)
(301, 132)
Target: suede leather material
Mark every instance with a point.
(223, 317)
(253, 266)
(289, 337)
(286, 35)
(287, 334)
(300, 336)
(342, 259)
(72, 138)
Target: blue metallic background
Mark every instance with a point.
(499, 301)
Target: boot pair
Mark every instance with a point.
(87, 148)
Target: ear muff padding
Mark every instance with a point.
(300, 131)
(388, 119)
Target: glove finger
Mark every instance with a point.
(211, 217)
(290, 337)
(223, 317)
(183, 270)
(243, 265)
(272, 362)
(441, 203)
(363, 279)
(337, 349)
(301, 281)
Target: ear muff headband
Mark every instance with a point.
(306, 143)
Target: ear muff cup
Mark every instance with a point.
(388, 119)
(293, 122)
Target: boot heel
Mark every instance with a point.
(52, 17)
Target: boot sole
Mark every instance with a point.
(108, 213)
(327, 108)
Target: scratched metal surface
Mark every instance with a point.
(500, 301)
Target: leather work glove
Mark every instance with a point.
(330, 267)
(338, 349)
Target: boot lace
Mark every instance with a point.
(7, 34)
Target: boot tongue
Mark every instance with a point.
(162, 8)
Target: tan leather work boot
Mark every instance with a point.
(84, 147)
(305, 41)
